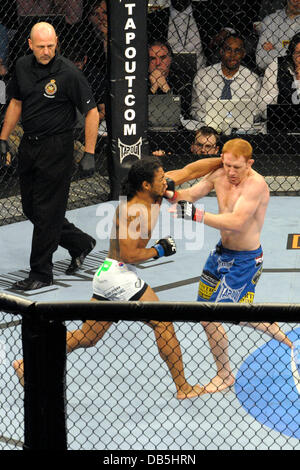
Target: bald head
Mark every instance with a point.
(43, 42)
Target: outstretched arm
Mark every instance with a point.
(194, 170)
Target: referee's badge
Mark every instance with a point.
(50, 89)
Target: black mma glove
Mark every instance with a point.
(165, 247)
(187, 210)
(4, 155)
(87, 164)
(170, 192)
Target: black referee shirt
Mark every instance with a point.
(50, 95)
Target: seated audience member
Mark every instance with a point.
(276, 31)
(162, 79)
(63, 15)
(98, 18)
(71, 10)
(160, 60)
(180, 26)
(270, 6)
(225, 80)
(206, 141)
(92, 34)
(4, 47)
(9, 16)
(220, 18)
(281, 82)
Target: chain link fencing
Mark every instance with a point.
(12, 397)
(228, 67)
(118, 393)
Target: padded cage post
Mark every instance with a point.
(44, 349)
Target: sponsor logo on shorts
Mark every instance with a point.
(225, 264)
(248, 298)
(104, 267)
(256, 276)
(259, 259)
(228, 293)
(209, 278)
(114, 293)
(205, 291)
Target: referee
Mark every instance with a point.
(45, 91)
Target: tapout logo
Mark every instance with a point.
(129, 71)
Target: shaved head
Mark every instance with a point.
(42, 28)
(43, 42)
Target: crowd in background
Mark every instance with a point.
(243, 50)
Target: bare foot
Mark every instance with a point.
(19, 369)
(218, 384)
(195, 391)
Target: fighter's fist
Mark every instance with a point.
(165, 247)
(187, 210)
(170, 192)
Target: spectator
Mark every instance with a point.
(281, 82)
(92, 33)
(9, 16)
(71, 9)
(4, 45)
(162, 79)
(96, 80)
(98, 18)
(270, 6)
(160, 59)
(179, 25)
(62, 15)
(225, 80)
(276, 31)
(206, 141)
(220, 18)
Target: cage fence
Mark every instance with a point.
(117, 392)
(186, 88)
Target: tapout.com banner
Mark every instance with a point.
(128, 68)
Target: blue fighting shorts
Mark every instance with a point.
(230, 276)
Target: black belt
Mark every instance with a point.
(36, 138)
(219, 248)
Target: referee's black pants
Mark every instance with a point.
(45, 167)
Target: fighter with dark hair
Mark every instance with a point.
(117, 278)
